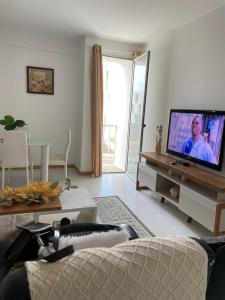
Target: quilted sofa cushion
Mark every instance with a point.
(147, 268)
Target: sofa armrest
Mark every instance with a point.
(15, 286)
(4, 245)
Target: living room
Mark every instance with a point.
(186, 71)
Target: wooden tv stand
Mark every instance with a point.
(200, 194)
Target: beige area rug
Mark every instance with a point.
(111, 210)
(8, 224)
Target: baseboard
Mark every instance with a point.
(38, 167)
(86, 173)
(21, 168)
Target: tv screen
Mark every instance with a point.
(197, 135)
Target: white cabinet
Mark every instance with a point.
(147, 176)
(196, 192)
(197, 206)
(198, 202)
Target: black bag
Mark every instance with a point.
(26, 245)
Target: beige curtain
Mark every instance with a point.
(97, 109)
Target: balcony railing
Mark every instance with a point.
(109, 143)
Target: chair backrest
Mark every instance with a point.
(67, 147)
(26, 129)
(15, 149)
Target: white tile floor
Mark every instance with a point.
(161, 219)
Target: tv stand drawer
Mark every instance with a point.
(147, 176)
(200, 208)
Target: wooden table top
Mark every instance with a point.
(30, 208)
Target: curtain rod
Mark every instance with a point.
(118, 57)
(105, 49)
(113, 50)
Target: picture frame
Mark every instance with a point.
(40, 80)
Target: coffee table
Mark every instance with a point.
(74, 200)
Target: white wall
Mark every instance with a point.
(197, 73)
(156, 100)
(187, 70)
(48, 116)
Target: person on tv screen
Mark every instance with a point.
(197, 145)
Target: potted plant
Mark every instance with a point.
(10, 123)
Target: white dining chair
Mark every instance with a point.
(15, 153)
(61, 159)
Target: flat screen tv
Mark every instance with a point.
(197, 135)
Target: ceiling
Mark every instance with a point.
(123, 20)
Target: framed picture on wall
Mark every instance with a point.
(40, 80)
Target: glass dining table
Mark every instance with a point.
(44, 144)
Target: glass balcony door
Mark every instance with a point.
(117, 75)
(136, 127)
